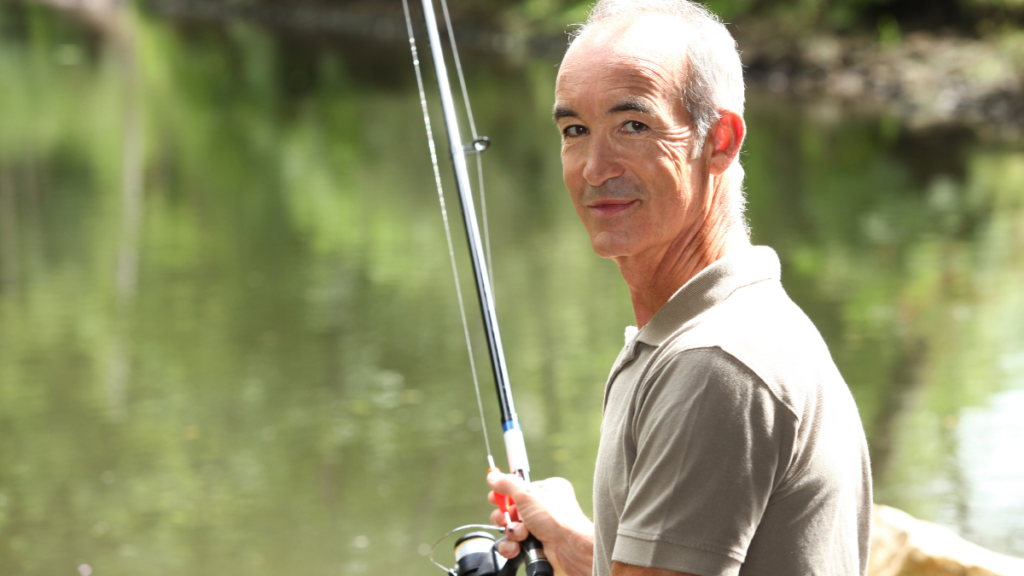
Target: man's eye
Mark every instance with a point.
(574, 131)
(634, 126)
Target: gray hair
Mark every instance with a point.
(714, 78)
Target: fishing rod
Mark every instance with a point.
(476, 553)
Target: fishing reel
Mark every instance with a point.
(476, 554)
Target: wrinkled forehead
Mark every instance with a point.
(644, 48)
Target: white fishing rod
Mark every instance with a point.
(470, 549)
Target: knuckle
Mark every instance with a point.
(560, 483)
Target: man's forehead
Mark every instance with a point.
(611, 90)
(638, 54)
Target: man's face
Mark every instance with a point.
(626, 138)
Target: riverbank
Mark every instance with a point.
(924, 78)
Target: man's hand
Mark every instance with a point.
(547, 509)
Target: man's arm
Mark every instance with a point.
(620, 569)
(548, 510)
(704, 443)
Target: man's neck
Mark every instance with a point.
(654, 277)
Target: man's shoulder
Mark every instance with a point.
(763, 330)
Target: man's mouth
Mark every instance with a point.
(611, 207)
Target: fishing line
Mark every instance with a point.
(447, 228)
(476, 137)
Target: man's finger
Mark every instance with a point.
(517, 532)
(508, 549)
(497, 518)
(507, 484)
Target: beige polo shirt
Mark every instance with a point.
(730, 444)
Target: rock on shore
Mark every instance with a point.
(902, 545)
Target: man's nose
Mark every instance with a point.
(602, 162)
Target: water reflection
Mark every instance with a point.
(990, 438)
(229, 341)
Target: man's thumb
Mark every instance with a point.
(507, 484)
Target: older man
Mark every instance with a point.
(730, 443)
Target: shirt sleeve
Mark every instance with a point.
(711, 444)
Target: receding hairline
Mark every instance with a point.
(624, 26)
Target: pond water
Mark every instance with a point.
(229, 338)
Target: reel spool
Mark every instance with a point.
(476, 554)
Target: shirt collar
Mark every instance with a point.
(741, 267)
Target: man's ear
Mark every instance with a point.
(726, 140)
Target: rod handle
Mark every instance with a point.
(536, 562)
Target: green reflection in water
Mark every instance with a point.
(229, 342)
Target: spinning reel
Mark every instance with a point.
(476, 554)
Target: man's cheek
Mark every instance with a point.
(570, 172)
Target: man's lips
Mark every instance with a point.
(605, 208)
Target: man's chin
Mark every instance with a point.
(611, 245)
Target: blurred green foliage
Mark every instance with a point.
(809, 16)
(789, 17)
(795, 16)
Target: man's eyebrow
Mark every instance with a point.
(561, 112)
(631, 106)
(625, 106)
